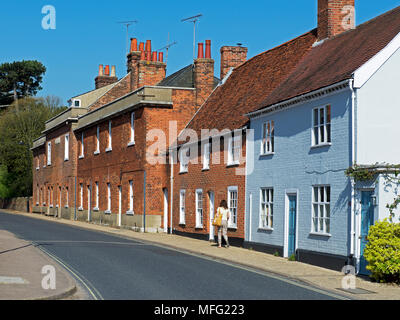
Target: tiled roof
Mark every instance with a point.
(182, 79)
(249, 84)
(338, 58)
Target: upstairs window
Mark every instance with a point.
(184, 156)
(132, 139)
(82, 145)
(234, 150)
(206, 156)
(321, 126)
(109, 148)
(66, 147)
(97, 140)
(268, 138)
(49, 153)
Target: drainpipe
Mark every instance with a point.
(353, 161)
(75, 201)
(144, 202)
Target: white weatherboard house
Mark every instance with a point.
(339, 107)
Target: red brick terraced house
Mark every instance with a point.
(210, 154)
(91, 162)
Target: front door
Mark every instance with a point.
(211, 197)
(292, 225)
(367, 220)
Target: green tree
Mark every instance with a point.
(20, 79)
(19, 127)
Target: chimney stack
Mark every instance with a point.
(232, 57)
(144, 67)
(104, 78)
(203, 74)
(335, 17)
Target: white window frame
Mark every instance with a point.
(82, 155)
(321, 134)
(266, 209)
(132, 138)
(206, 156)
(67, 197)
(268, 138)
(234, 150)
(199, 210)
(97, 140)
(109, 148)
(321, 210)
(96, 184)
(81, 196)
(49, 153)
(130, 211)
(37, 163)
(184, 160)
(108, 198)
(232, 222)
(66, 147)
(182, 207)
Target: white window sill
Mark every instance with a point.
(80, 209)
(37, 169)
(66, 159)
(199, 227)
(81, 157)
(233, 227)
(233, 164)
(321, 234)
(206, 169)
(96, 209)
(132, 143)
(265, 229)
(37, 204)
(267, 154)
(321, 145)
(66, 207)
(96, 152)
(44, 166)
(182, 223)
(44, 204)
(108, 149)
(56, 205)
(51, 206)
(107, 211)
(181, 172)
(130, 213)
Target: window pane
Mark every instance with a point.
(316, 117)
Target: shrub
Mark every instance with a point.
(383, 251)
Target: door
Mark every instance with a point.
(165, 210)
(367, 220)
(211, 198)
(292, 225)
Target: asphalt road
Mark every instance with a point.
(112, 267)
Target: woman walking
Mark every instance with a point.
(223, 228)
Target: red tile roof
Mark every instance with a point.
(338, 58)
(249, 84)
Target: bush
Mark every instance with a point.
(383, 251)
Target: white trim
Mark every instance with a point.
(232, 225)
(199, 226)
(182, 215)
(367, 70)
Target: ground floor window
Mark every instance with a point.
(266, 208)
(232, 206)
(321, 209)
(199, 208)
(182, 200)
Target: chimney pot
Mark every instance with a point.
(142, 55)
(208, 49)
(133, 44)
(141, 46)
(200, 54)
(148, 45)
(154, 58)
(107, 70)
(113, 71)
(161, 57)
(101, 70)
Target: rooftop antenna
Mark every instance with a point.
(193, 19)
(169, 45)
(127, 24)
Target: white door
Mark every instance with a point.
(211, 206)
(165, 210)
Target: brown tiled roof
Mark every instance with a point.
(338, 58)
(249, 84)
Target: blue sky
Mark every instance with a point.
(87, 33)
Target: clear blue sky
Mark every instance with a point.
(87, 33)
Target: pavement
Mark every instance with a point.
(15, 254)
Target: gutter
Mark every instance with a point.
(353, 161)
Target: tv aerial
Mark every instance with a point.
(194, 20)
(166, 48)
(127, 24)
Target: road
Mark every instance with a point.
(116, 268)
